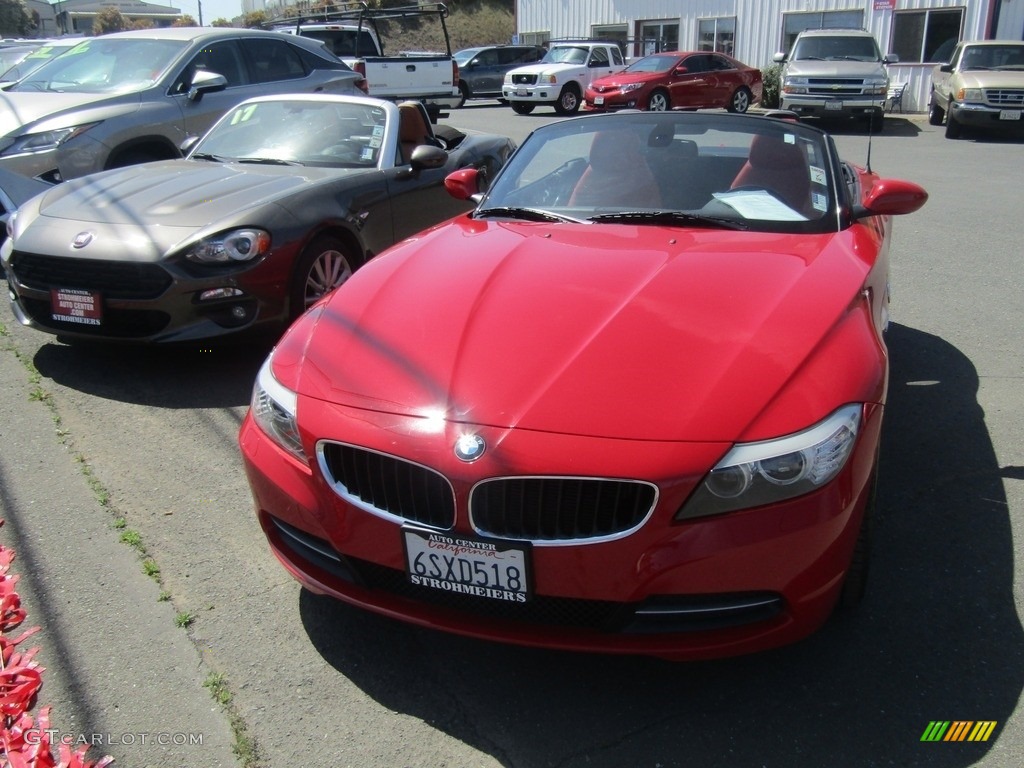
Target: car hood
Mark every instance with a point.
(604, 330)
(991, 79)
(24, 108)
(835, 69)
(622, 78)
(168, 201)
(536, 69)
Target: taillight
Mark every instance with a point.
(455, 74)
(363, 86)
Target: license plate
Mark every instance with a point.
(599, 100)
(833, 105)
(522, 92)
(71, 305)
(1009, 114)
(493, 569)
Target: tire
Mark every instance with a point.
(658, 102)
(568, 100)
(740, 101)
(522, 107)
(463, 95)
(325, 264)
(856, 580)
(935, 113)
(953, 129)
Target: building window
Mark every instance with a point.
(657, 36)
(717, 35)
(615, 32)
(795, 23)
(926, 36)
(534, 38)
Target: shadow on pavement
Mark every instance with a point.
(938, 637)
(165, 377)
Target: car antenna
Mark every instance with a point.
(871, 133)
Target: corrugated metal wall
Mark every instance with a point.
(758, 24)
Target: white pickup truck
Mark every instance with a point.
(561, 77)
(351, 32)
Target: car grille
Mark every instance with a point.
(835, 86)
(113, 279)
(389, 485)
(520, 508)
(658, 614)
(117, 323)
(559, 508)
(1005, 97)
(524, 79)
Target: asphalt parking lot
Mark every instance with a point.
(95, 434)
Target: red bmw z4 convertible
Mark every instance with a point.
(631, 403)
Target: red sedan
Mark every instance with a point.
(625, 412)
(690, 80)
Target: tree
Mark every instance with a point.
(254, 19)
(108, 20)
(185, 21)
(14, 18)
(221, 22)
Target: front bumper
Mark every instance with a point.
(816, 106)
(984, 116)
(151, 303)
(703, 588)
(537, 94)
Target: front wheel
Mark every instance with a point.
(463, 94)
(740, 101)
(935, 113)
(568, 100)
(522, 107)
(953, 128)
(856, 580)
(325, 264)
(658, 102)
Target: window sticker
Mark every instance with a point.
(817, 175)
(819, 201)
(367, 154)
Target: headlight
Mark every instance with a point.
(551, 79)
(631, 87)
(754, 474)
(876, 88)
(44, 141)
(236, 245)
(970, 94)
(794, 85)
(273, 409)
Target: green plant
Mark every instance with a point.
(183, 619)
(771, 77)
(132, 539)
(150, 568)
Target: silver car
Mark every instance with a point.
(132, 97)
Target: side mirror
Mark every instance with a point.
(428, 156)
(891, 197)
(186, 146)
(891, 58)
(204, 81)
(681, 71)
(463, 184)
(947, 67)
(778, 58)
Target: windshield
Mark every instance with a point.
(673, 168)
(33, 61)
(105, 65)
(993, 57)
(653, 64)
(303, 132)
(565, 54)
(837, 48)
(463, 57)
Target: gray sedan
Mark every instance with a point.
(131, 97)
(273, 208)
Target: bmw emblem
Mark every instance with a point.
(82, 239)
(469, 447)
